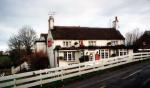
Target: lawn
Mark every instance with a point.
(4, 59)
(5, 64)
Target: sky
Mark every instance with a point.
(14, 14)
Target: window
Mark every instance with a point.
(66, 43)
(69, 56)
(104, 53)
(122, 52)
(113, 43)
(65, 55)
(92, 43)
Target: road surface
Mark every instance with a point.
(133, 76)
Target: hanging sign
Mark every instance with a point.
(50, 42)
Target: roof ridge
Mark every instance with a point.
(85, 27)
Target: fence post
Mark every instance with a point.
(62, 74)
(94, 63)
(141, 57)
(80, 69)
(147, 55)
(14, 81)
(40, 78)
(131, 57)
(12, 70)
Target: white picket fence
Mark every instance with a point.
(40, 77)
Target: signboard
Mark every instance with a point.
(50, 42)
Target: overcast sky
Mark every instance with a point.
(90, 13)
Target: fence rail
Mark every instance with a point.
(41, 77)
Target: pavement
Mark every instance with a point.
(133, 76)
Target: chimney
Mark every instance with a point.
(116, 19)
(51, 22)
(116, 23)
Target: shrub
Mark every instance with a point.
(5, 62)
(84, 58)
(17, 56)
(39, 60)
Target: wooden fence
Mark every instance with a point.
(40, 77)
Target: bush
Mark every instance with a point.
(84, 58)
(39, 60)
(113, 55)
(17, 56)
(5, 62)
(60, 58)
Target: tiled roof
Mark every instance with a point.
(84, 33)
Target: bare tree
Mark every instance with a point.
(21, 45)
(23, 41)
(15, 46)
(14, 42)
(133, 36)
(27, 36)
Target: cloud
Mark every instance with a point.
(17, 13)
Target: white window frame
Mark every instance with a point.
(104, 51)
(113, 43)
(123, 51)
(66, 43)
(69, 53)
(92, 43)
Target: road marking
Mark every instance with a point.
(132, 74)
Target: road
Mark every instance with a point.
(133, 76)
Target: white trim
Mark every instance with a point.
(143, 49)
(123, 51)
(67, 57)
(104, 53)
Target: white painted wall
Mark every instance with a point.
(40, 46)
(86, 42)
(130, 51)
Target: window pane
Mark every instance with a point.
(92, 43)
(125, 53)
(73, 55)
(106, 50)
(65, 55)
(106, 55)
(89, 43)
(102, 50)
(66, 44)
(69, 56)
(121, 53)
(69, 43)
(102, 54)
